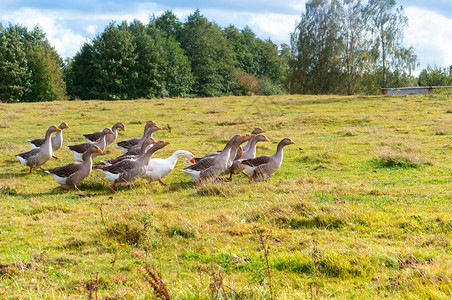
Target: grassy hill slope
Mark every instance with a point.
(361, 206)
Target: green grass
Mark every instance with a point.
(361, 207)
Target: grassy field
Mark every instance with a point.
(361, 207)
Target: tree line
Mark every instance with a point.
(342, 47)
(30, 68)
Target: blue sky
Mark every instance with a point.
(69, 23)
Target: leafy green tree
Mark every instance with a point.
(386, 22)
(210, 56)
(83, 74)
(350, 46)
(46, 67)
(117, 57)
(243, 46)
(168, 24)
(270, 63)
(315, 48)
(150, 80)
(435, 76)
(355, 53)
(129, 61)
(14, 73)
(30, 68)
(177, 70)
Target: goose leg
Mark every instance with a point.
(112, 189)
(77, 188)
(244, 173)
(162, 183)
(56, 157)
(31, 168)
(223, 179)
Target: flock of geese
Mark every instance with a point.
(136, 160)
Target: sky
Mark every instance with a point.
(69, 23)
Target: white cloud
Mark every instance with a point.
(430, 35)
(277, 26)
(65, 41)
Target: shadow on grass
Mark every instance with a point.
(177, 186)
(94, 187)
(34, 195)
(12, 175)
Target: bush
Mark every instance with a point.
(435, 76)
(267, 87)
(247, 84)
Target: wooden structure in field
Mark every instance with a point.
(411, 90)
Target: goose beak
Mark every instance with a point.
(292, 142)
(193, 160)
(252, 135)
(263, 130)
(166, 143)
(124, 128)
(153, 123)
(58, 129)
(241, 152)
(67, 126)
(266, 139)
(111, 132)
(154, 142)
(159, 128)
(242, 136)
(98, 150)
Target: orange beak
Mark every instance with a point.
(58, 129)
(241, 152)
(242, 136)
(263, 130)
(111, 132)
(292, 142)
(267, 140)
(159, 128)
(153, 123)
(98, 150)
(193, 159)
(252, 135)
(67, 126)
(166, 143)
(124, 128)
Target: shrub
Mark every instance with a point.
(247, 84)
(267, 87)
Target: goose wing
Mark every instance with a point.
(65, 171)
(80, 148)
(93, 137)
(258, 161)
(37, 142)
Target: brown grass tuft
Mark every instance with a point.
(157, 284)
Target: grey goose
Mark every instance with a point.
(37, 157)
(263, 167)
(69, 176)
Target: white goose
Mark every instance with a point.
(160, 167)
